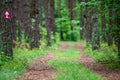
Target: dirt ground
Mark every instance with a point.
(40, 70)
(107, 72)
(64, 46)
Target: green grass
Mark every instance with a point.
(69, 69)
(107, 55)
(69, 54)
(22, 57)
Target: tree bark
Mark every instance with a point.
(110, 38)
(88, 23)
(14, 20)
(103, 22)
(47, 21)
(6, 38)
(36, 6)
(95, 31)
(81, 23)
(18, 18)
(52, 17)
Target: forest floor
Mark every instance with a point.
(103, 71)
(40, 70)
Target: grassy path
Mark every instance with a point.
(99, 69)
(68, 67)
(68, 63)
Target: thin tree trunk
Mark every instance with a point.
(110, 38)
(47, 21)
(103, 22)
(59, 8)
(52, 17)
(118, 45)
(18, 18)
(71, 5)
(14, 21)
(81, 23)
(59, 15)
(117, 32)
(87, 23)
(95, 31)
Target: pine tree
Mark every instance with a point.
(110, 38)
(88, 24)
(36, 22)
(81, 22)
(103, 22)
(6, 38)
(49, 20)
(95, 31)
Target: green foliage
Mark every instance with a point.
(43, 31)
(63, 24)
(3, 59)
(90, 3)
(106, 55)
(10, 69)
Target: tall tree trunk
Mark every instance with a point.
(6, 38)
(95, 31)
(117, 31)
(85, 24)
(81, 23)
(52, 17)
(40, 12)
(59, 8)
(18, 18)
(36, 6)
(110, 38)
(25, 19)
(39, 18)
(88, 23)
(47, 21)
(103, 22)
(14, 20)
(119, 49)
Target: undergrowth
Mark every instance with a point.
(11, 69)
(106, 55)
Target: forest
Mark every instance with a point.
(59, 40)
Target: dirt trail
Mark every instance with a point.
(64, 46)
(109, 73)
(39, 69)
